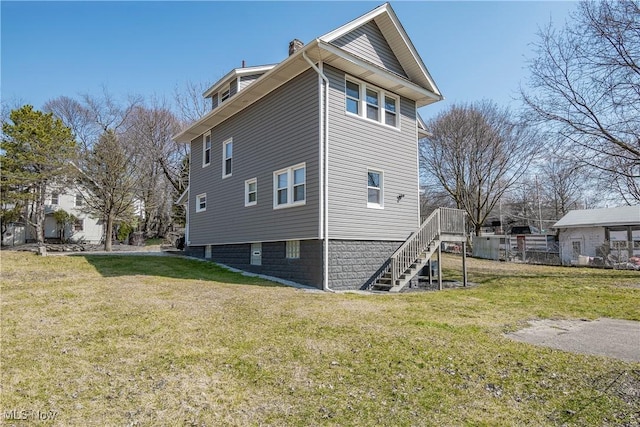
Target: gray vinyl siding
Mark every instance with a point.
(247, 80)
(355, 145)
(368, 43)
(278, 131)
(214, 101)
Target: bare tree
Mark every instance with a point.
(109, 182)
(190, 102)
(585, 85)
(76, 117)
(159, 163)
(477, 152)
(562, 183)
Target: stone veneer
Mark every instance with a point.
(353, 263)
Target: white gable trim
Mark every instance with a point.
(398, 41)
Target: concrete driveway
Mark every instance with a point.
(615, 338)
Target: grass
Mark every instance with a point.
(117, 340)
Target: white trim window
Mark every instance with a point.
(352, 93)
(201, 202)
(374, 189)
(292, 249)
(55, 198)
(371, 103)
(390, 112)
(251, 192)
(289, 186)
(206, 149)
(79, 200)
(227, 157)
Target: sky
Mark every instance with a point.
(473, 50)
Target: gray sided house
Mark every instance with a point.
(308, 170)
(609, 235)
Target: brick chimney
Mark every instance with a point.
(294, 46)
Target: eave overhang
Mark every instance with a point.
(294, 65)
(234, 74)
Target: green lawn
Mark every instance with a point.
(142, 340)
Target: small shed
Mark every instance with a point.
(594, 236)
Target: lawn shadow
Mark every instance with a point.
(170, 267)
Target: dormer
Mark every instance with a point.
(236, 80)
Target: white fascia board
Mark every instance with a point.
(235, 73)
(243, 98)
(387, 10)
(409, 44)
(350, 26)
(395, 80)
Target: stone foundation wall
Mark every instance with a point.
(353, 263)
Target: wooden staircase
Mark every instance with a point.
(444, 224)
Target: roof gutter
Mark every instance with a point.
(323, 82)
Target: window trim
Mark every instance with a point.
(247, 192)
(363, 104)
(199, 208)
(78, 198)
(205, 149)
(380, 189)
(225, 158)
(55, 198)
(78, 225)
(290, 171)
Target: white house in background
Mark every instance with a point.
(85, 229)
(589, 233)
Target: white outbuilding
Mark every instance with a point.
(594, 236)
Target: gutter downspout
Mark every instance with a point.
(324, 170)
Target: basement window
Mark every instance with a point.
(293, 249)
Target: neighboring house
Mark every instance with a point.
(84, 229)
(308, 170)
(599, 233)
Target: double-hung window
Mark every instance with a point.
(55, 198)
(371, 103)
(390, 115)
(352, 92)
(227, 156)
(251, 192)
(206, 149)
(374, 189)
(373, 107)
(201, 202)
(79, 200)
(289, 186)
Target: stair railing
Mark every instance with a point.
(408, 253)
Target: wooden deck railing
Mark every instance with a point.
(441, 221)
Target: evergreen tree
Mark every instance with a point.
(37, 151)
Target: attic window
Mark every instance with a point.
(225, 94)
(371, 103)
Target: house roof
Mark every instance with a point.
(625, 215)
(235, 73)
(419, 87)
